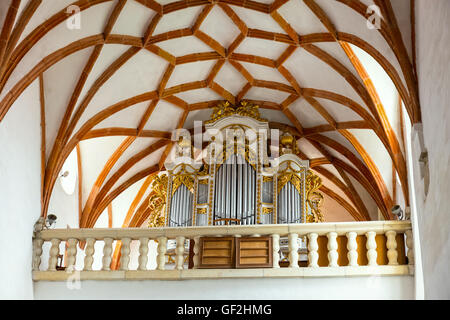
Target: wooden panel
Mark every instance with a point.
(216, 253)
(254, 252)
(216, 244)
(191, 254)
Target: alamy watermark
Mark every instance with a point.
(73, 281)
(74, 20)
(374, 16)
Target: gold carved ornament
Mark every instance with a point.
(288, 144)
(244, 108)
(157, 201)
(314, 198)
(185, 179)
(204, 171)
(291, 177)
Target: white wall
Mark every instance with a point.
(433, 61)
(399, 287)
(20, 179)
(62, 204)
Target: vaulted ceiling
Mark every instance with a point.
(114, 89)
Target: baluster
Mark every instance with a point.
(196, 252)
(125, 254)
(54, 252)
(107, 250)
(410, 245)
(332, 249)
(352, 245)
(162, 247)
(371, 246)
(180, 253)
(90, 250)
(293, 250)
(391, 244)
(37, 252)
(143, 253)
(275, 251)
(313, 246)
(71, 253)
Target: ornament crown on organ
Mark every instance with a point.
(236, 182)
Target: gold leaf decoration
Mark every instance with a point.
(157, 201)
(289, 177)
(288, 144)
(267, 210)
(245, 109)
(314, 198)
(204, 171)
(186, 179)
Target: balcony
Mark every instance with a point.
(313, 250)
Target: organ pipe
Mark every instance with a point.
(181, 208)
(235, 190)
(289, 204)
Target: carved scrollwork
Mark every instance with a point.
(204, 171)
(288, 144)
(314, 198)
(289, 177)
(245, 109)
(157, 201)
(186, 179)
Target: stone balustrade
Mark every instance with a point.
(332, 249)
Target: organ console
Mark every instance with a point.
(248, 175)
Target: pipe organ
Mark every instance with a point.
(235, 192)
(236, 182)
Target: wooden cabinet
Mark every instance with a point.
(217, 253)
(231, 252)
(254, 252)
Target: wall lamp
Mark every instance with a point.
(50, 221)
(398, 212)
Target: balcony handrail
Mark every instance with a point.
(393, 247)
(341, 228)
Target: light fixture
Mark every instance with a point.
(397, 211)
(68, 175)
(64, 174)
(50, 221)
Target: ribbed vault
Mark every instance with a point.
(138, 69)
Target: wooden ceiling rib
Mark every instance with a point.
(102, 177)
(7, 27)
(43, 135)
(103, 192)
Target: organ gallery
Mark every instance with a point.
(244, 174)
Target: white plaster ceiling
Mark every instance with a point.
(174, 39)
